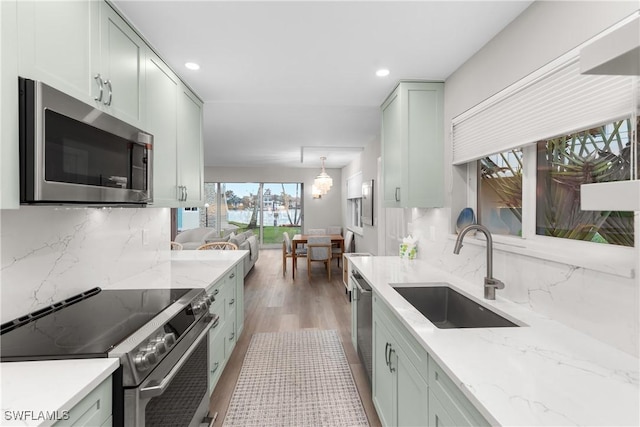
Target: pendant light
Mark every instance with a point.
(323, 182)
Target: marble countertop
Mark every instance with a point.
(542, 373)
(187, 269)
(57, 385)
(32, 392)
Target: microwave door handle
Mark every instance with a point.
(157, 390)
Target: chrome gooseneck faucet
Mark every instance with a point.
(490, 283)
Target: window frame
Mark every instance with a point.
(612, 259)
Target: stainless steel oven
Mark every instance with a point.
(160, 337)
(364, 319)
(73, 153)
(175, 393)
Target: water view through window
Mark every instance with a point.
(266, 209)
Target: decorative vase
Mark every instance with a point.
(466, 217)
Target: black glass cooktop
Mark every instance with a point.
(88, 328)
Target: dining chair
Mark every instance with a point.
(336, 252)
(319, 250)
(175, 246)
(334, 229)
(287, 252)
(222, 246)
(317, 231)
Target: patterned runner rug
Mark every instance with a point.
(297, 378)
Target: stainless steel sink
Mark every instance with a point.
(448, 309)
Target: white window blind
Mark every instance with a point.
(354, 186)
(553, 101)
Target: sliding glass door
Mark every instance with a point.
(266, 209)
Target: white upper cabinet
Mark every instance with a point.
(9, 159)
(85, 49)
(190, 149)
(59, 44)
(161, 95)
(413, 146)
(121, 67)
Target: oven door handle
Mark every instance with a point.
(157, 390)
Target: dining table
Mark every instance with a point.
(303, 238)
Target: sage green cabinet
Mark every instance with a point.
(190, 149)
(413, 145)
(85, 49)
(60, 45)
(400, 391)
(161, 103)
(229, 306)
(9, 158)
(93, 410)
(384, 384)
(174, 118)
(447, 405)
(122, 60)
(409, 387)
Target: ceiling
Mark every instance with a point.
(286, 82)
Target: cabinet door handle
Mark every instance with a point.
(216, 292)
(215, 367)
(232, 336)
(98, 80)
(391, 368)
(386, 354)
(232, 275)
(232, 301)
(397, 194)
(108, 83)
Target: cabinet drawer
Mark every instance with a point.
(216, 358)
(218, 306)
(413, 350)
(230, 301)
(229, 335)
(93, 410)
(449, 396)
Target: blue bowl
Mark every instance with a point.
(466, 217)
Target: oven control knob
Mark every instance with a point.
(158, 346)
(201, 306)
(145, 359)
(169, 339)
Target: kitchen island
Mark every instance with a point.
(540, 373)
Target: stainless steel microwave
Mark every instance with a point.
(73, 153)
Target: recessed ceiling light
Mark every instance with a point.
(383, 72)
(192, 66)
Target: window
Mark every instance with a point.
(266, 209)
(500, 192)
(354, 207)
(562, 164)
(600, 154)
(354, 202)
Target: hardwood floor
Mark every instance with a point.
(275, 303)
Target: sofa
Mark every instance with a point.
(195, 237)
(249, 242)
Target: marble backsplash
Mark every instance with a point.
(602, 305)
(51, 253)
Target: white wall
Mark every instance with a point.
(52, 253)
(605, 306)
(318, 213)
(366, 163)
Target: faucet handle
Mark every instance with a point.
(494, 283)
